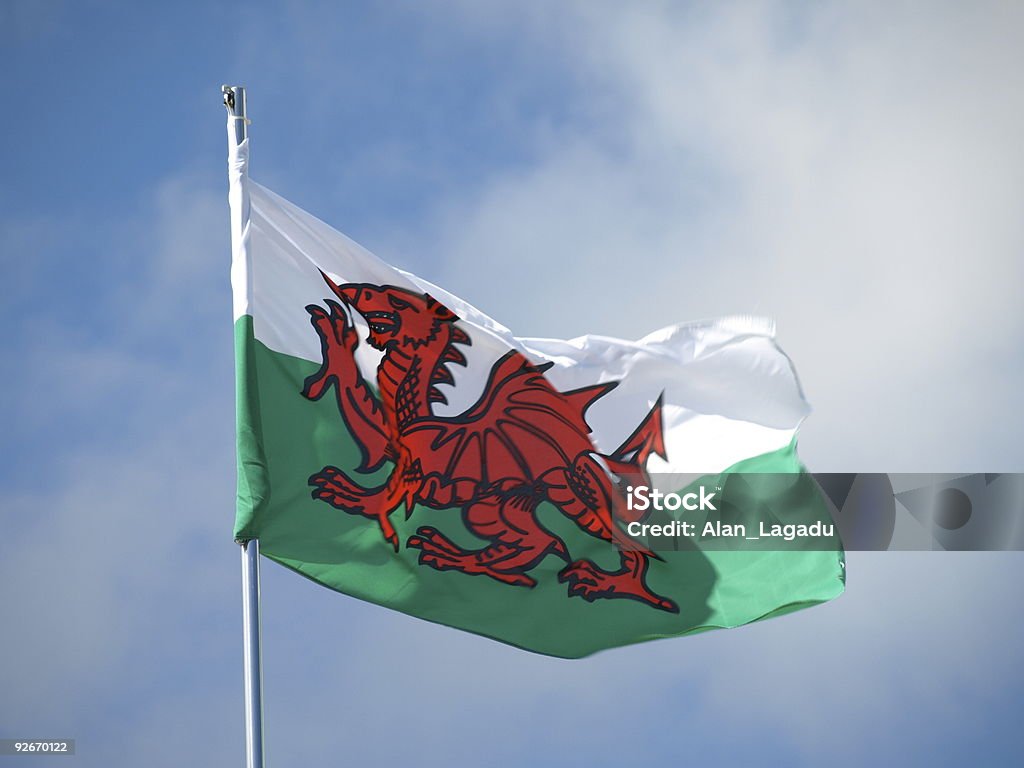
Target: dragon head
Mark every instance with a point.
(397, 317)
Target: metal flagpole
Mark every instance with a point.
(234, 100)
(251, 653)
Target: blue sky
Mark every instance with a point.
(569, 168)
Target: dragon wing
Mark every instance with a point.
(520, 428)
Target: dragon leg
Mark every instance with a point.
(336, 488)
(586, 494)
(359, 407)
(505, 517)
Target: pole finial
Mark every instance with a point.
(234, 102)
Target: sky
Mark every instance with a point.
(853, 170)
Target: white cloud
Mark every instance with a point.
(850, 170)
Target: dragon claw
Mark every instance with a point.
(443, 555)
(344, 332)
(431, 540)
(579, 574)
(334, 487)
(437, 562)
(339, 340)
(588, 581)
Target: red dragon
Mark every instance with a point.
(521, 444)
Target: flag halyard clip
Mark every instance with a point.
(229, 104)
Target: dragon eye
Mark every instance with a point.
(398, 303)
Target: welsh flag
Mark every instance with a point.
(398, 445)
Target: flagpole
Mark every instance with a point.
(251, 653)
(234, 100)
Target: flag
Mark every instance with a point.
(398, 445)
